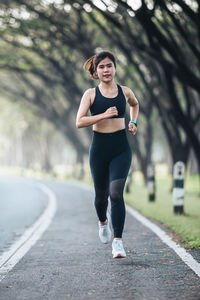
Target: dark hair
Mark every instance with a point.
(91, 64)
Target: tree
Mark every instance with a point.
(152, 36)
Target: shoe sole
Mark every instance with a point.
(107, 241)
(119, 256)
(104, 242)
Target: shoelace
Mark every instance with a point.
(103, 225)
(103, 229)
(118, 246)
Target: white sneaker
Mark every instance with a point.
(104, 232)
(118, 249)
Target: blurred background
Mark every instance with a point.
(43, 45)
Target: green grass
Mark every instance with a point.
(186, 226)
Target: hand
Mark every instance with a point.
(132, 128)
(110, 112)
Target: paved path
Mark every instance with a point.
(69, 261)
(21, 203)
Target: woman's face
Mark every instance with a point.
(106, 70)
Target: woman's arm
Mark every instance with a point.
(134, 106)
(134, 109)
(82, 120)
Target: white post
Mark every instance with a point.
(151, 182)
(129, 180)
(178, 189)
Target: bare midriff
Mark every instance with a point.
(109, 125)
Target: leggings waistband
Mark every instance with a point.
(115, 133)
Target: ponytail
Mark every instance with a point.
(89, 66)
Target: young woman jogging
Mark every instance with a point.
(110, 154)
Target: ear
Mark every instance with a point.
(96, 75)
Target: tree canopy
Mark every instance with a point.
(44, 44)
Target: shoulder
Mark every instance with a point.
(129, 95)
(89, 95)
(89, 92)
(127, 91)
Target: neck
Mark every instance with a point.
(107, 85)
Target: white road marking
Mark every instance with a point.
(12, 256)
(182, 253)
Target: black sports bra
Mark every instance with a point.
(101, 103)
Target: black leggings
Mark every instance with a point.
(110, 160)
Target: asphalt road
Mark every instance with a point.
(69, 261)
(21, 203)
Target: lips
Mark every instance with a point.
(107, 75)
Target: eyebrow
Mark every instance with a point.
(109, 64)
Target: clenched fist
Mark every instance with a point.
(110, 112)
(132, 128)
